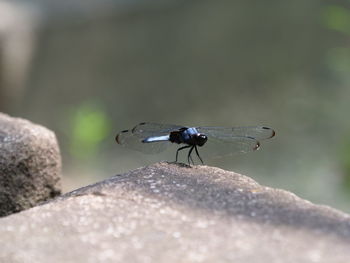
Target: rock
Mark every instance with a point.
(175, 213)
(30, 165)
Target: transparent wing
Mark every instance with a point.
(257, 132)
(134, 141)
(149, 129)
(219, 147)
(215, 148)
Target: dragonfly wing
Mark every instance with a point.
(257, 132)
(135, 141)
(218, 147)
(149, 129)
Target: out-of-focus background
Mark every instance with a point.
(88, 69)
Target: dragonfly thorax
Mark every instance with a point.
(188, 136)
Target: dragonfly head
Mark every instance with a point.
(200, 139)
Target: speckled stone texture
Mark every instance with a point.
(175, 213)
(30, 165)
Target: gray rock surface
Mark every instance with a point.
(175, 213)
(30, 164)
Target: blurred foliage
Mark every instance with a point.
(90, 126)
(337, 18)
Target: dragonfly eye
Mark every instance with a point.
(201, 139)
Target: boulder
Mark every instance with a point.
(30, 165)
(175, 213)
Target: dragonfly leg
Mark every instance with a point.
(189, 155)
(195, 147)
(181, 148)
(191, 159)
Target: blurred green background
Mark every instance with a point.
(88, 69)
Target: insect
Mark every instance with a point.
(154, 137)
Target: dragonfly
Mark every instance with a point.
(151, 137)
